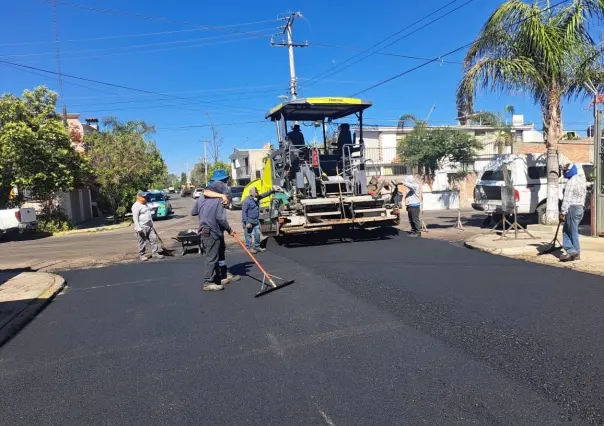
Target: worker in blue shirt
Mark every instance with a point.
(250, 212)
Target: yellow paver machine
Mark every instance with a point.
(325, 187)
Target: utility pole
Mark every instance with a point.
(205, 158)
(289, 43)
(55, 20)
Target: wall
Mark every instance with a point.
(580, 151)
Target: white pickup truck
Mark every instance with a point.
(18, 219)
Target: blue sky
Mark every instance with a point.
(233, 74)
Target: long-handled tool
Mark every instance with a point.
(268, 285)
(164, 248)
(552, 246)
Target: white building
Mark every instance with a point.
(381, 144)
(247, 164)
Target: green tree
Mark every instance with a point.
(35, 149)
(124, 160)
(547, 52)
(429, 149)
(198, 174)
(183, 178)
(171, 180)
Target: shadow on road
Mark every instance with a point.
(25, 236)
(333, 237)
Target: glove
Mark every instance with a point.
(562, 218)
(277, 188)
(249, 226)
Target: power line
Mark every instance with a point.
(384, 40)
(195, 126)
(31, 43)
(378, 52)
(137, 46)
(443, 55)
(149, 17)
(121, 86)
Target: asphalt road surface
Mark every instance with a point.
(384, 332)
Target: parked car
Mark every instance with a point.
(171, 190)
(197, 193)
(160, 207)
(528, 174)
(17, 219)
(236, 197)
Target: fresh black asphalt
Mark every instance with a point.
(385, 332)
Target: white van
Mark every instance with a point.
(528, 174)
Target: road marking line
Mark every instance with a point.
(147, 280)
(326, 418)
(275, 344)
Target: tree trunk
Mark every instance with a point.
(552, 120)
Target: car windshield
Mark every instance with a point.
(152, 198)
(492, 175)
(237, 190)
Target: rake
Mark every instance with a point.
(268, 285)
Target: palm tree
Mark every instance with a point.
(545, 52)
(503, 130)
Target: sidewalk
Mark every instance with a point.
(22, 296)
(525, 248)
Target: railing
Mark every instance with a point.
(382, 155)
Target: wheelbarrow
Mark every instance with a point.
(189, 239)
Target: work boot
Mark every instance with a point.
(158, 256)
(212, 287)
(570, 257)
(143, 258)
(232, 277)
(415, 234)
(253, 251)
(261, 250)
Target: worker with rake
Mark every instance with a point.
(212, 225)
(142, 218)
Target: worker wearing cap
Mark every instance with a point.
(413, 203)
(142, 218)
(571, 212)
(250, 215)
(218, 188)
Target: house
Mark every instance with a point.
(80, 204)
(381, 145)
(78, 130)
(247, 164)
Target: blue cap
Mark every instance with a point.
(219, 174)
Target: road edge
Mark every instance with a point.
(509, 251)
(33, 308)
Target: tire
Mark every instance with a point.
(540, 213)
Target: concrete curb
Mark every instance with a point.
(29, 312)
(508, 251)
(93, 230)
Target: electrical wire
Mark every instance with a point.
(137, 46)
(149, 17)
(119, 86)
(451, 52)
(383, 41)
(378, 52)
(31, 43)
